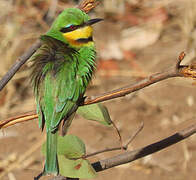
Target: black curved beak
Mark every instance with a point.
(93, 21)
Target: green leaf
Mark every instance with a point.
(95, 112)
(80, 168)
(70, 146)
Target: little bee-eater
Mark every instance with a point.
(61, 70)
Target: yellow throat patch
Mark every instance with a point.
(81, 33)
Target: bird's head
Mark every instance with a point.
(73, 27)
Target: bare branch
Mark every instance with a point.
(176, 71)
(122, 147)
(103, 151)
(21, 60)
(118, 133)
(134, 136)
(142, 152)
(18, 119)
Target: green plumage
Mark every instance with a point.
(60, 75)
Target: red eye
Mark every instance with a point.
(68, 28)
(72, 27)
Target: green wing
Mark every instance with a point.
(60, 96)
(64, 77)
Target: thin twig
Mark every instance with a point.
(18, 119)
(118, 133)
(134, 136)
(21, 60)
(102, 151)
(130, 156)
(122, 147)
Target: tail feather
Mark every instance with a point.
(51, 164)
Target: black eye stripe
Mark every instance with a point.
(70, 28)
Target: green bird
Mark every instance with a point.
(61, 70)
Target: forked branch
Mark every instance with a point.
(176, 71)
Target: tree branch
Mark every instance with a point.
(18, 119)
(122, 147)
(130, 156)
(21, 60)
(176, 71)
(142, 152)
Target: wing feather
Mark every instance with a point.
(60, 77)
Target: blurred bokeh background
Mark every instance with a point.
(136, 39)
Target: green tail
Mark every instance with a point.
(51, 164)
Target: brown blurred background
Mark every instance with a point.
(137, 38)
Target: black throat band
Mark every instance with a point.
(85, 40)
